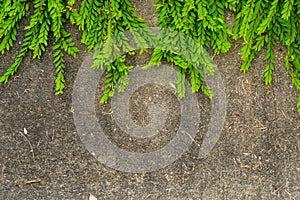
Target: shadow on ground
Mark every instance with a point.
(256, 157)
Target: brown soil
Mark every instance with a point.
(256, 156)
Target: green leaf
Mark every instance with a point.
(287, 9)
(180, 82)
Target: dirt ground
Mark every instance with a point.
(256, 156)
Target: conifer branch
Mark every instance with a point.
(10, 16)
(47, 16)
(259, 23)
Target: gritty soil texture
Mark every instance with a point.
(256, 156)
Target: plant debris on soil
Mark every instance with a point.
(256, 156)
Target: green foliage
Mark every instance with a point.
(260, 23)
(201, 21)
(117, 73)
(10, 16)
(106, 21)
(47, 16)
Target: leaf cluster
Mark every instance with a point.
(48, 16)
(195, 25)
(103, 24)
(262, 24)
(202, 21)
